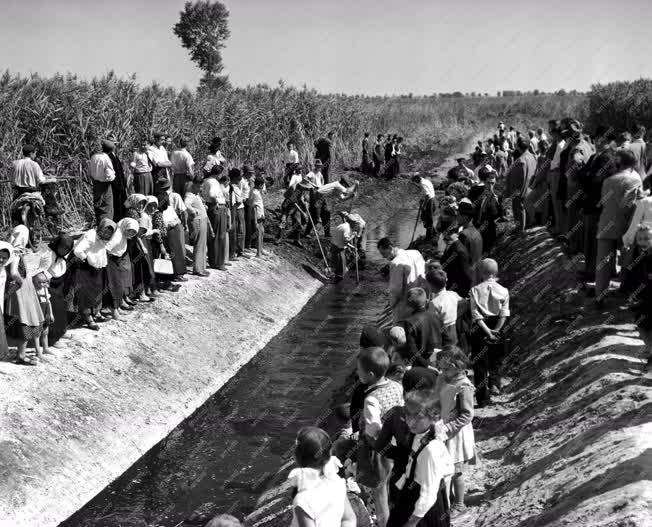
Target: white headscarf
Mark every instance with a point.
(117, 245)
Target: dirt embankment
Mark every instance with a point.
(76, 422)
(570, 442)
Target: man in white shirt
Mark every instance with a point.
(158, 156)
(427, 205)
(342, 235)
(407, 269)
(291, 161)
(101, 171)
(182, 167)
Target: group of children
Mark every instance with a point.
(137, 247)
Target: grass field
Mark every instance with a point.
(66, 117)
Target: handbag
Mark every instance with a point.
(163, 266)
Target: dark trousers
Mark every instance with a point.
(251, 231)
(338, 261)
(487, 358)
(320, 212)
(590, 244)
(102, 200)
(237, 234)
(179, 184)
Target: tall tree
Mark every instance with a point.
(203, 29)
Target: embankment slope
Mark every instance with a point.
(76, 422)
(570, 441)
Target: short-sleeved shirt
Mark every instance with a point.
(489, 299)
(27, 173)
(444, 305)
(182, 162)
(140, 163)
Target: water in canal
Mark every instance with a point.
(229, 450)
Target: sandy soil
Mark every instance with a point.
(73, 424)
(569, 442)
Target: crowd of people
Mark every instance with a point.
(406, 434)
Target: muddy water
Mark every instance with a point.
(226, 454)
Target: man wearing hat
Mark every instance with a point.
(456, 261)
(101, 171)
(158, 156)
(469, 235)
(119, 184)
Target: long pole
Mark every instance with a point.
(416, 223)
(318, 241)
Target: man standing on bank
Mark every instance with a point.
(378, 155)
(158, 157)
(183, 167)
(102, 173)
(323, 153)
(119, 184)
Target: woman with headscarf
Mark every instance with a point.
(174, 237)
(23, 304)
(118, 270)
(90, 250)
(57, 273)
(6, 257)
(140, 263)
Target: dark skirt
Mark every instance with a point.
(89, 286)
(119, 277)
(143, 183)
(217, 244)
(176, 244)
(141, 264)
(59, 308)
(4, 347)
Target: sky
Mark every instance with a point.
(373, 47)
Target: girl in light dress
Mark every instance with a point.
(23, 303)
(320, 499)
(455, 394)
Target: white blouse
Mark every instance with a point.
(321, 494)
(92, 249)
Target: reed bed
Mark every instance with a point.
(66, 117)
